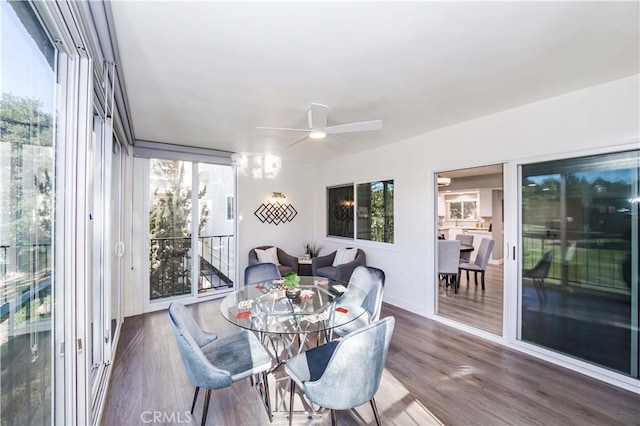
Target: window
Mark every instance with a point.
(28, 231)
(375, 211)
(374, 206)
(340, 211)
(462, 206)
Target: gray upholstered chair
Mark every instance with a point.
(362, 300)
(538, 273)
(345, 373)
(468, 240)
(321, 266)
(214, 363)
(261, 272)
(480, 263)
(288, 263)
(448, 261)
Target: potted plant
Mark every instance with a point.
(312, 249)
(291, 281)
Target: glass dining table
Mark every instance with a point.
(264, 308)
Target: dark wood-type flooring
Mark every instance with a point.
(434, 374)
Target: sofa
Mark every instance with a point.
(322, 266)
(287, 262)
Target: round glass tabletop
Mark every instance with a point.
(265, 308)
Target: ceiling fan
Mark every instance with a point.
(317, 115)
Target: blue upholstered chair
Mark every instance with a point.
(214, 363)
(364, 296)
(481, 262)
(345, 373)
(261, 272)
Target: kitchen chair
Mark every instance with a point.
(364, 294)
(345, 373)
(214, 363)
(468, 240)
(285, 262)
(538, 273)
(480, 264)
(261, 272)
(448, 261)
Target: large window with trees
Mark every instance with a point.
(191, 241)
(368, 216)
(27, 182)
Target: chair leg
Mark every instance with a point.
(375, 411)
(205, 410)
(334, 418)
(457, 283)
(195, 397)
(293, 388)
(475, 277)
(482, 279)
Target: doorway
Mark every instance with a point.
(470, 209)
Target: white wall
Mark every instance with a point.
(596, 117)
(296, 182)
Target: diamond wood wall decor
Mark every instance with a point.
(275, 213)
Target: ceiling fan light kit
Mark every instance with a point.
(317, 116)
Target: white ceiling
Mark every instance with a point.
(206, 74)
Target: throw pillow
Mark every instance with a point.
(345, 255)
(269, 255)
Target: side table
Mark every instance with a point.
(304, 267)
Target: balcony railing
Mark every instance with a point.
(589, 261)
(171, 265)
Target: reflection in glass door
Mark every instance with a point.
(579, 230)
(27, 229)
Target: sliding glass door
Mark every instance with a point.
(579, 263)
(190, 245)
(28, 231)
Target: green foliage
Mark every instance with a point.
(28, 132)
(291, 280)
(170, 229)
(312, 249)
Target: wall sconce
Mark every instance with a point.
(277, 211)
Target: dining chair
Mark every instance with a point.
(261, 272)
(212, 362)
(363, 299)
(448, 261)
(343, 374)
(538, 273)
(468, 240)
(480, 263)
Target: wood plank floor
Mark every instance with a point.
(473, 306)
(434, 375)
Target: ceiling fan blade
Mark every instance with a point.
(282, 128)
(317, 116)
(362, 126)
(296, 141)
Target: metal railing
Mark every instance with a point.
(170, 259)
(589, 261)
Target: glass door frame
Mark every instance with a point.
(193, 297)
(513, 268)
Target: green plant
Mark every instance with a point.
(291, 280)
(312, 249)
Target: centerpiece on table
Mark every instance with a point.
(291, 282)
